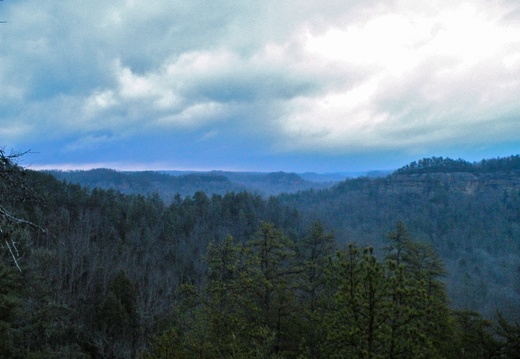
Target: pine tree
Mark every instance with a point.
(471, 337)
(314, 252)
(419, 315)
(356, 320)
(272, 271)
(510, 338)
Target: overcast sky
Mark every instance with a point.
(293, 85)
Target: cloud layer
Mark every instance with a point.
(196, 83)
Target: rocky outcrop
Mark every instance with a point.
(456, 181)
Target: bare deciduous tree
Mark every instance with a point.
(13, 191)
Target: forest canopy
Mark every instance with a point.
(317, 274)
(448, 165)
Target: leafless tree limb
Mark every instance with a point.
(14, 191)
(15, 258)
(10, 218)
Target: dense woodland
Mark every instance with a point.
(413, 265)
(471, 219)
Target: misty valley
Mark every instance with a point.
(422, 262)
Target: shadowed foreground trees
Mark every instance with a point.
(255, 303)
(390, 308)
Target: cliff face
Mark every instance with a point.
(471, 219)
(466, 182)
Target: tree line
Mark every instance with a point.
(447, 165)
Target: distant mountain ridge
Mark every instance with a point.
(448, 165)
(169, 183)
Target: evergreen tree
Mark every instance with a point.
(396, 308)
(314, 252)
(271, 263)
(509, 334)
(356, 321)
(472, 337)
(418, 317)
(224, 303)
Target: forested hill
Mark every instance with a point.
(96, 273)
(169, 183)
(470, 213)
(148, 182)
(448, 165)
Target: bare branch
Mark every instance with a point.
(10, 218)
(12, 255)
(15, 193)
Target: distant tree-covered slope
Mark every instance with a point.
(147, 182)
(167, 185)
(274, 183)
(448, 165)
(470, 213)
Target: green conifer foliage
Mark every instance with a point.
(509, 337)
(117, 318)
(271, 298)
(472, 337)
(314, 252)
(419, 314)
(356, 321)
(394, 308)
(271, 259)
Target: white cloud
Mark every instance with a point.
(14, 130)
(330, 76)
(87, 142)
(99, 101)
(452, 68)
(195, 115)
(119, 165)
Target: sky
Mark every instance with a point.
(248, 85)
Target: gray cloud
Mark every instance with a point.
(335, 77)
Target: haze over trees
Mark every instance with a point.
(169, 183)
(407, 266)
